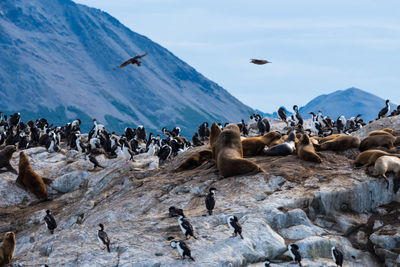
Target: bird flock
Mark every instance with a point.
(165, 145)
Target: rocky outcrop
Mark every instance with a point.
(293, 201)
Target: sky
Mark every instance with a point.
(316, 47)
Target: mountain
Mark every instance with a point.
(57, 59)
(349, 102)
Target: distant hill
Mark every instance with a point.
(57, 59)
(349, 102)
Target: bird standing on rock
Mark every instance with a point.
(103, 238)
(182, 248)
(210, 201)
(235, 226)
(92, 159)
(337, 256)
(185, 225)
(384, 111)
(50, 221)
(295, 253)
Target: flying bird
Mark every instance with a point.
(259, 61)
(133, 61)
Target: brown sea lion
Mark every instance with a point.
(386, 164)
(253, 146)
(367, 158)
(382, 140)
(5, 157)
(195, 160)
(327, 138)
(306, 151)
(29, 179)
(387, 131)
(229, 154)
(7, 249)
(397, 141)
(214, 133)
(340, 143)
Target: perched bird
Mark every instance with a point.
(182, 248)
(92, 159)
(296, 116)
(384, 111)
(236, 228)
(173, 212)
(185, 225)
(210, 201)
(50, 221)
(259, 61)
(267, 263)
(133, 61)
(295, 253)
(282, 114)
(337, 256)
(103, 238)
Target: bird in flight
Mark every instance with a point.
(133, 61)
(259, 61)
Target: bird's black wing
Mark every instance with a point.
(297, 255)
(338, 256)
(185, 248)
(126, 63)
(210, 202)
(50, 221)
(104, 237)
(140, 56)
(189, 228)
(298, 116)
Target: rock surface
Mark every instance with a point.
(316, 206)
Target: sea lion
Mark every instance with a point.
(397, 141)
(306, 151)
(5, 157)
(253, 146)
(195, 160)
(28, 178)
(386, 164)
(367, 158)
(7, 249)
(214, 133)
(383, 140)
(229, 154)
(340, 143)
(387, 131)
(327, 138)
(283, 149)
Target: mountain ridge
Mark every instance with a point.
(62, 54)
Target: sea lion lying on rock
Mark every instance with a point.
(387, 131)
(29, 179)
(229, 154)
(283, 149)
(195, 160)
(386, 164)
(367, 158)
(7, 249)
(5, 157)
(383, 140)
(340, 143)
(253, 146)
(306, 151)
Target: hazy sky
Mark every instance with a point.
(316, 47)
